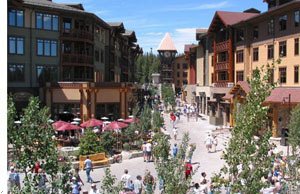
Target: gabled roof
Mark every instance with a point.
(118, 26)
(243, 85)
(187, 47)
(281, 94)
(166, 44)
(229, 18)
(130, 34)
(74, 5)
(50, 4)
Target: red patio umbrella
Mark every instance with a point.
(92, 123)
(58, 124)
(131, 120)
(68, 127)
(115, 125)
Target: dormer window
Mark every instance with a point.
(282, 22)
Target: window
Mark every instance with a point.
(271, 75)
(15, 73)
(239, 35)
(185, 82)
(282, 49)
(184, 74)
(270, 51)
(47, 47)
(255, 54)
(296, 74)
(185, 65)
(212, 77)
(46, 21)
(240, 76)
(97, 56)
(282, 75)
(223, 56)
(296, 18)
(45, 73)
(67, 24)
(178, 74)
(282, 22)
(15, 17)
(271, 27)
(222, 75)
(255, 32)
(178, 65)
(102, 56)
(178, 82)
(240, 56)
(16, 45)
(296, 49)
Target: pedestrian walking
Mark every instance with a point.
(42, 179)
(175, 150)
(88, 165)
(13, 180)
(125, 179)
(188, 169)
(149, 150)
(138, 185)
(215, 142)
(149, 183)
(144, 151)
(208, 142)
(175, 133)
(75, 186)
(94, 189)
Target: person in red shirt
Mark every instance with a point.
(37, 166)
(188, 169)
(173, 118)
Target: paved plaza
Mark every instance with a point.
(209, 162)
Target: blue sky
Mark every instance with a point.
(151, 19)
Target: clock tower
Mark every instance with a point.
(167, 52)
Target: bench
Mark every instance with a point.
(98, 159)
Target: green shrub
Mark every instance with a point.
(90, 144)
(126, 146)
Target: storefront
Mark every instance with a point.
(84, 99)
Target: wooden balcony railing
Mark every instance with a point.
(77, 34)
(77, 59)
(222, 66)
(222, 46)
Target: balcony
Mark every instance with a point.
(222, 46)
(76, 34)
(77, 59)
(222, 66)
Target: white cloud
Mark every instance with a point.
(182, 36)
(193, 7)
(154, 33)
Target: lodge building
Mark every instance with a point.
(233, 46)
(72, 59)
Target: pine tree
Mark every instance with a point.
(109, 184)
(89, 143)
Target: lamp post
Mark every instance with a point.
(289, 117)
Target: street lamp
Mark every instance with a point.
(289, 117)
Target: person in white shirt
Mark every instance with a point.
(208, 142)
(94, 189)
(138, 185)
(175, 133)
(148, 151)
(126, 180)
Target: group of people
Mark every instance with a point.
(146, 184)
(211, 143)
(38, 176)
(147, 151)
